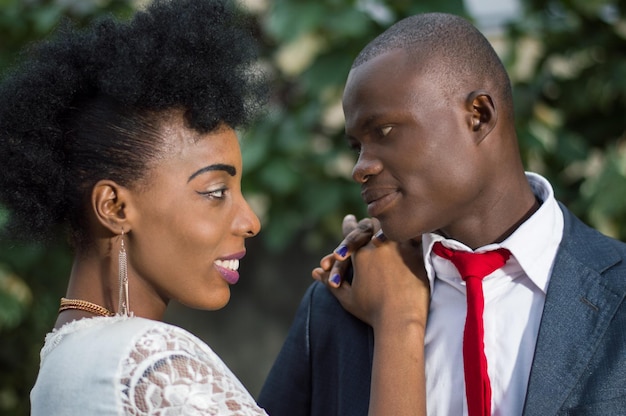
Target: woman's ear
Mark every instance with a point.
(109, 201)
(483, 115)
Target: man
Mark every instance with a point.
(428, 106)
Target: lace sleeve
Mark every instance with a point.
(171, 372)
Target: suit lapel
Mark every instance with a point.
(579, 307)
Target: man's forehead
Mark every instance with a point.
(388, 73)
(394, 66)
(380, 61)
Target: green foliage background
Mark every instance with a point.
(567, 59)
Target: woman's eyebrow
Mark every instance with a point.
(231, 170)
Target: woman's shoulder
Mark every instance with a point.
(101, 327)
(138, 366)
(167, 367)
(155, 338)
(125, 332)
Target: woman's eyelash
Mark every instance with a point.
(215, 194)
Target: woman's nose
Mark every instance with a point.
(248, 223)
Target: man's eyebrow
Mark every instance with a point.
(370, 121)
(363, 126)
(231, 170)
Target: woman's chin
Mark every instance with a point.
(215, 302)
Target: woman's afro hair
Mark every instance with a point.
(194, 55)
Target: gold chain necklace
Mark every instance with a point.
(83, 305)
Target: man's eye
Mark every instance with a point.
(354, 145)
(385, 130)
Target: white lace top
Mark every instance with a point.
(134, 366)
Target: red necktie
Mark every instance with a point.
(473, 267)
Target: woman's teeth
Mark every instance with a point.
(228, 264)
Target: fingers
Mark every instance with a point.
(339, 288)
(327, 262)
(349, 223)
(340, 272)
(337, 267)
(358, 235)
(340, 291)
(332, 272)
(319, 274)
(379, 238)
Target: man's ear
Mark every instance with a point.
(109, 201)
(483, 114)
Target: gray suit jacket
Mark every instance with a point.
(579, 367)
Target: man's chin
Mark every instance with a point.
(399, 231)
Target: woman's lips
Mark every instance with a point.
(228, 267)
(230, 275)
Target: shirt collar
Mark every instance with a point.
(534, 244)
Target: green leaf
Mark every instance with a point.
(279, 176)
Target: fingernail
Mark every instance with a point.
(342, 250)
(380, 236)
(335, 280)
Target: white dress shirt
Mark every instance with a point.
(514, 299)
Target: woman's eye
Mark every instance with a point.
(216, 194)
(385, 130)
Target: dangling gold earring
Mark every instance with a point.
(123, 308)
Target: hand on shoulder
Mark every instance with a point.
(389, 281)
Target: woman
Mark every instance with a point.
(125, 134)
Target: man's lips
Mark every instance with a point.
(378, 199)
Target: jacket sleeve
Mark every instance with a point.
(287, 389)
(324, 367)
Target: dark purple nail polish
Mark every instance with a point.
(342, 250)
(335, 279)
